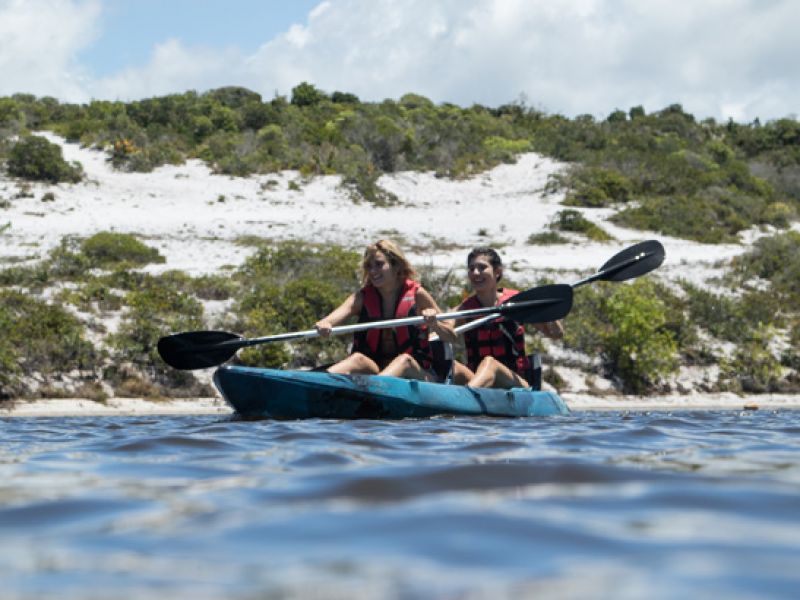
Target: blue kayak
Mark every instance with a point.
(276, 394)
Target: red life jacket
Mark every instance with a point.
(408, 339)
(503, 338)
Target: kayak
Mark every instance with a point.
(276, 394)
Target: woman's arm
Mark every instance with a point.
(429, 309)
(349, 308)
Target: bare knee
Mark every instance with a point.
(488, 362)
(405, 365)
(485, 374)
(400, 365)
(405, 361)
(363, 362)
(355, 363)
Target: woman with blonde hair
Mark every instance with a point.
(389, 291)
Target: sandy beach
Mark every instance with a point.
(66, 407)
(196, 219)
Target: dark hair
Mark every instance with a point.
(494, 257)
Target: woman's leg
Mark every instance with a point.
(406, 366)
(355, 363)
(461, 373)
(493, 373)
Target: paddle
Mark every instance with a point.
(202, 349)
(632, 262)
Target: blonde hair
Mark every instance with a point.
(393, 254)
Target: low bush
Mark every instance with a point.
(753, 368)
(573, 221)
(289, 287)
(94, 292)
(40, 340)
(776, 259)
(73, 257)
(627, 326)
(156, 308)
(595, 187)
(714, 217)
(107, 249)
(546, 237)
(731, 318)
(504, 150)
(362, 184)
(34, 157)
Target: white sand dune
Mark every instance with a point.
(195, 218)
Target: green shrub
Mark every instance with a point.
(753, 368)
(638, 346)
(546, 237)
(107, 249)
(778, 214)
(73, 258)
(732, 318)
(34, 157)
(596, 187)
(775, 258)
(39, 339)
(628, 329)
(213, 287)
(573, 221)
(791, 356)
(504, 150)
(715, 217)
(156, 309)
(289, 287)
(33, 277)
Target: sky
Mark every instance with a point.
(725, 59)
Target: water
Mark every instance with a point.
(601, 505)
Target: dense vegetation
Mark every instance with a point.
(637, 334)
(663, 171)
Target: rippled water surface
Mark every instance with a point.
(601, 505)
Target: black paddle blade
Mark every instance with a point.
(198, 349)
(540, 304)
(633, 262)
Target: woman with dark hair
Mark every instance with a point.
(496, 350)
(389, 291)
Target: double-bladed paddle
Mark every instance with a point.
(202, 349)
(632, 262)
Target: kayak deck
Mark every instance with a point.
(276, 394)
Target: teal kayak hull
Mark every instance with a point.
(276, 394)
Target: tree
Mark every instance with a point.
(306, 94)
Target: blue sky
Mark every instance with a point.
(129, 29)
(718, 58)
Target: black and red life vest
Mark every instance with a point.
(503, 338)
(408, 339)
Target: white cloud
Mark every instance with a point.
(718, 58)
(39, 45)
(173, 68)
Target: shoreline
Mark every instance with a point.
(125, 407)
